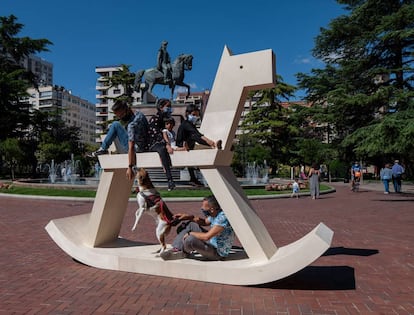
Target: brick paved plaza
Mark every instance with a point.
(368, 270)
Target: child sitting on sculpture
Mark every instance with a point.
(169, 137)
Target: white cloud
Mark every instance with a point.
(303, 60)
(183, 89)
(307, 60)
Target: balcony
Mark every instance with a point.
(103, 78)
(101, 87)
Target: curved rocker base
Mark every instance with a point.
(237, 269)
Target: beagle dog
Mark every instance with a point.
(150, 202)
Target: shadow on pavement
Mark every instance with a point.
(317, 278)
(410, 199)
(350, 251)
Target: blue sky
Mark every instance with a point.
(91, 33)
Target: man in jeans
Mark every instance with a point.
(130, 134)
(212, 244)
(397, 171)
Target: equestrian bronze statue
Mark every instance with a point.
(146, 79)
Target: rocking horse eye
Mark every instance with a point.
(241, 66)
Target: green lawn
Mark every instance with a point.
(164, 193)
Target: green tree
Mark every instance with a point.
(367, 82)
(314, 151)
(268, 122)
(125, 79)
(248, 150)
(14, 79)
(57, 141)
(11, 154)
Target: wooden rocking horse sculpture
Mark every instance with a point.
(93, 238)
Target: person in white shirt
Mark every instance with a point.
(295, 189)
(169, 137)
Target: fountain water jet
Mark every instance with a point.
(257, 174)
(52, 172)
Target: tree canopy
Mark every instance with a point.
(365, 90)
(267, 124)
(27, 136)
(14, 78)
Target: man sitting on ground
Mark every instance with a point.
(212, 244)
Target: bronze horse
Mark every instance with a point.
(153, 76)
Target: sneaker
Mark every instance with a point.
(100, 151)
(173, 254)
(196, 184)
(386, 192)
(171, 185)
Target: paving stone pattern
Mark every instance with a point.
(369, 268)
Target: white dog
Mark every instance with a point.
(150, 201)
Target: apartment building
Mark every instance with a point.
(105, 98)
(41, 68)
(48, 97)
(73, 110)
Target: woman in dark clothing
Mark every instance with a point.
(156, 139)
(314, 174)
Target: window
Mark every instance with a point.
(45, 94)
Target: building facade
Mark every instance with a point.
(41, 68)
(105, 98)
(73, 110)
(48, 97)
